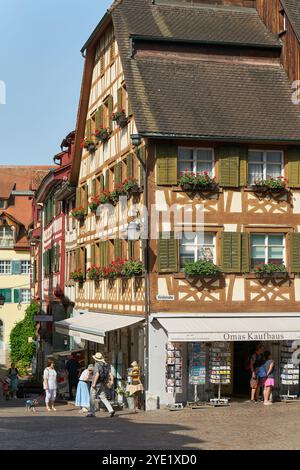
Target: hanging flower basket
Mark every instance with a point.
(131, 186)
(78, 213)
(94, 273)
(89, 145)
(102, 134)
(94, 203)
(77, 276)
(116, 193)
(120, 118)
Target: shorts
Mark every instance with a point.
(50, 395)
(267, 382)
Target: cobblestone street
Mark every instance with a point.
(240, 426)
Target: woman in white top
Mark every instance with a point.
(50, 385)
(83, 390)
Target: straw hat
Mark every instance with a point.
(98, 357)
(134, 364)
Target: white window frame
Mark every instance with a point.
(197, 245)
(27, 297)
(28, 263)
(195, 160)
(267, 245)
(3, 237)
(264, 163)
(6, 263)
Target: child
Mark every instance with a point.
(5, 387)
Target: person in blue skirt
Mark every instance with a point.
(83, 389)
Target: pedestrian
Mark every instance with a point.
(50, 385)
(5, 387)
(256, 361)
(73, 368)
(14, 377)
(83, 390)
(101, 378)
(268, 381)
(136, 386)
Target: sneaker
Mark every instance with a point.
(84, 410)
(112, 414)
(90, 415)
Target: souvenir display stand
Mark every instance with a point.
(289, 371)
(174, 372)
(220, 370)
(197, 369)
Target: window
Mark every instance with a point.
(196, 160)
(25, 296)
(5, 267)
(2, 203)
(6, 237)
(25, 267)
(6, 293)
(264, 164)
(267, 248)
(197, 246)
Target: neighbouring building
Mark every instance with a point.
(47, 239)
(17, 186)
(194, 90)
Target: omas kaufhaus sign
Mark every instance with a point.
(255, 336)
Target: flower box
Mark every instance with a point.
(77, 276)
(89, 145)
(201, 268)
(282, 275)
(270, 270)
(78, 213)
(271, 185)
(190, 181)
(120, 118)
(102, 134)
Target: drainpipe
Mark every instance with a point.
(41, 274)
(136, 140)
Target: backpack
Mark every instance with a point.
(104, 370)
(262, 372)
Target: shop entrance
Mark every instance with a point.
(241, 373)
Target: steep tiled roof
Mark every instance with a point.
(292, 9)
(214, 99)
(194, 23)
(205, 98)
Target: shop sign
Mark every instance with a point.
(236, 336)
(165, 297)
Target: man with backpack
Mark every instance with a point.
(101, 380)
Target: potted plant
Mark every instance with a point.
(190, 181)
(116, 193)
(77, 276)
(89, 144)
(132, 268)
(266, 270)
(78, 213)
(272, 185)
(94, 273)
(102, 134)
(131, 186)
(201, 268)
(129, 398)
(104, 196)
(94, 203)
(120, 118)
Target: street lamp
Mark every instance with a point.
(134, 230)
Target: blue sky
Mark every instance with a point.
(41, 65)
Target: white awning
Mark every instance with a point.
(239, 327)
(93, 326)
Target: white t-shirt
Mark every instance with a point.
(50, 375)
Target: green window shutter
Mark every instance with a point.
(130, 249)
(117, 248)
(78, 197)
(295, 252)
(166, 164)
(99, 118)
(16, 267)
(84, 261)
(34, 271)
(231, 252)
(88, 129)
(17, 296)
(120, 95)
(77, 258)
(106, 180)
(85, 191)
(58, 257)
(245, 252)
(130, 161)
(93, 187)
(294, 167)
(93, 254)
(143, 157)
(7, 295)
(110, 105)
(243, 166)
(229, 165)
(167, 253)
(118, 173)
(101, 182)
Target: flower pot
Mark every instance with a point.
(187, 187)
(91, 148)
(103, 137)
(122, 121)
(130, 403)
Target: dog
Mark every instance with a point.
(31, 405)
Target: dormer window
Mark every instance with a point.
(3, 204)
